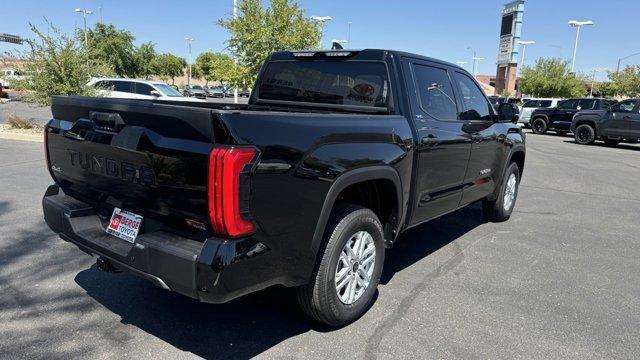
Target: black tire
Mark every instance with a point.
(539, 126)
(584, 134)
(494, 210)
(611, 142)
(561, 133)
(319, 299)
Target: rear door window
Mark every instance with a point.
(587, 104)
(124, 86)
(545, 103)
(568, 104)
(435, 92)
(355, 83)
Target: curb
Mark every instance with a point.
(20, 137)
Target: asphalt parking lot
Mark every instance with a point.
(559, 280)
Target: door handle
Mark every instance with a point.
(429, 140)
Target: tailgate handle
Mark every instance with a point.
(106, 121)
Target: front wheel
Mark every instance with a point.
(539, 126)
(346, 277)
(501, 208)
(584, 134)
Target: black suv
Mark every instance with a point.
(559, 118)
(621, 123)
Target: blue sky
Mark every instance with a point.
(441, 29)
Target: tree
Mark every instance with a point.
(111, 46)
(626, 82)
(215, 67)
(259, 31)
(57, 64)
(143, 56)
(168, 66)
(551, 78)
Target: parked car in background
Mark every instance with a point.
(215, 91)
(244, 93)
(9, 75)
(497, 100)
(194, 91)
(197, 206)
(532, 104)
(136, 89)
(620, 123)
(559, 118)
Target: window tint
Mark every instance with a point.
(606, 104)
(123, 86)
(545, 103)
(624, 106)
(436, 92)
(475, 104)
(568, 104)
(531, 104)
(326, 82)
(586, 104)
(143, 89)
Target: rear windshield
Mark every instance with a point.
(352, 83)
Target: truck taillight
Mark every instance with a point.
(225, 190)
(46, 151)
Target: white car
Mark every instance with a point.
(8, 75)
(138, 89)
(530, 105)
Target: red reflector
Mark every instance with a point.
(225, 167)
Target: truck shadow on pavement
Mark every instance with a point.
(252, 324)
(621, 146)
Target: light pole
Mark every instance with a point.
(577, 24)
(323, 20)
(624, 58)
(349, 33)
(593, 80)
(189, 40)
(84, 13)
(235, 58)
(524, 49)
(475, 64)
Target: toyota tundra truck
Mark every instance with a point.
(334, 156)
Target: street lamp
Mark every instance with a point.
(475, 64)
(84, 13)
(593, 80)
(349, 32)
(524, 49)
(624, 58)
(577, 24)
(189, 40)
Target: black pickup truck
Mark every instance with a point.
(620, 123)
(335, 155)
(559, 118)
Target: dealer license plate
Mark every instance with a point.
(124, 224)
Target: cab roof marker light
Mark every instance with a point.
(338, 53)
(303, 54)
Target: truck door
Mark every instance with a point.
(634, 121)
(443, 148)
(619, 120)
(488, 147)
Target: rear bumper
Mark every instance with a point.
(215, 271)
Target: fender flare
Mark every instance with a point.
(592, 122)
(346, 179)
(515, 149)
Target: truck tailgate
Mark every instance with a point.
(142, 156)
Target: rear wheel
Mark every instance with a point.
(584, 134)
(539, 126)
(349, 268)
(501, 208)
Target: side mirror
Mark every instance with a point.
(508, 113)
(155, 93)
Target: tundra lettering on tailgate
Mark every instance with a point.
(118, 169)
